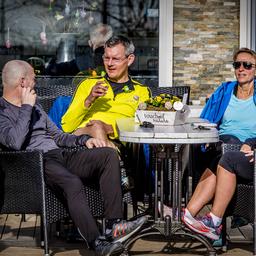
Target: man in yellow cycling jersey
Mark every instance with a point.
(99, 101)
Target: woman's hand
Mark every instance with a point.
(245, 148)
(248, 152)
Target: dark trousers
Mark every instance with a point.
(68, 169)
(239, 164)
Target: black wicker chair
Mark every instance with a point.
(46, 81)
(48, 89)
(48, 92)
(243, 201)
(23, 191)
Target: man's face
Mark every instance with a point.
(245, 75)
(30, 79)
(116, 63)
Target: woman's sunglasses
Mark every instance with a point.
(247, 65)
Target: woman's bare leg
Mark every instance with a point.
(225, 189)
(203, 193)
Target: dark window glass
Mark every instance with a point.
(37, 31)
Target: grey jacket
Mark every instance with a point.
(29, 128)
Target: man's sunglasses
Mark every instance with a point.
(247, 65)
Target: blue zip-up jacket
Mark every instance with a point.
(219, 100)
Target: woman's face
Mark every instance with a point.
(245, 75)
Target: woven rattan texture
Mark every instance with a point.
(22, 178)
(48, 89)
(242, 203)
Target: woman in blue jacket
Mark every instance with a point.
(231, 107)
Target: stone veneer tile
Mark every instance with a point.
(206, 33)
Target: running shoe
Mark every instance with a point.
(103, 247)
(123, 230)
(203, 226)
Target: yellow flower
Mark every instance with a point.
(94, 73)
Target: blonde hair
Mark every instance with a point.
(246, 50)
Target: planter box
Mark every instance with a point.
(163, 117)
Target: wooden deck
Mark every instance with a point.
(22, 238)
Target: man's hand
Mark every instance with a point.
(248, 152)
(93, 142)
(98, 90)
(28, 96)
(101, 127)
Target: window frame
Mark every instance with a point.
(247, 25)
(253, 25)
(165, 52)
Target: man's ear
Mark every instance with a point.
(131, 59)
(22, 82)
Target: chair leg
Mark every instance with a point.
(103, 226)
(224, 234)
(134, 203)
(254, 239)
(58, 228)
(44, 235)
(23, 217)
(125, 210)
(41, 233)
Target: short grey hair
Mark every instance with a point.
(127, 43)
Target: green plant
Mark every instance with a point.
(162, 102)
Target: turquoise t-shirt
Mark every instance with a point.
(239, 119)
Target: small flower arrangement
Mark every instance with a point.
(162, 102)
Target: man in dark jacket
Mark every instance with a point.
(25, 126)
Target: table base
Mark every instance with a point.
(167, 229)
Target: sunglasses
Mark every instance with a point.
(247, 65)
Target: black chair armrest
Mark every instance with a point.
(230, 147)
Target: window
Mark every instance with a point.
(38, 31)
(253, 34)
(248, 24)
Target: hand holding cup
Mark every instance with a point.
(98, 90)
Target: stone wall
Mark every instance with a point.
(206, 33)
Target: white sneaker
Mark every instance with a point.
(203, 225)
